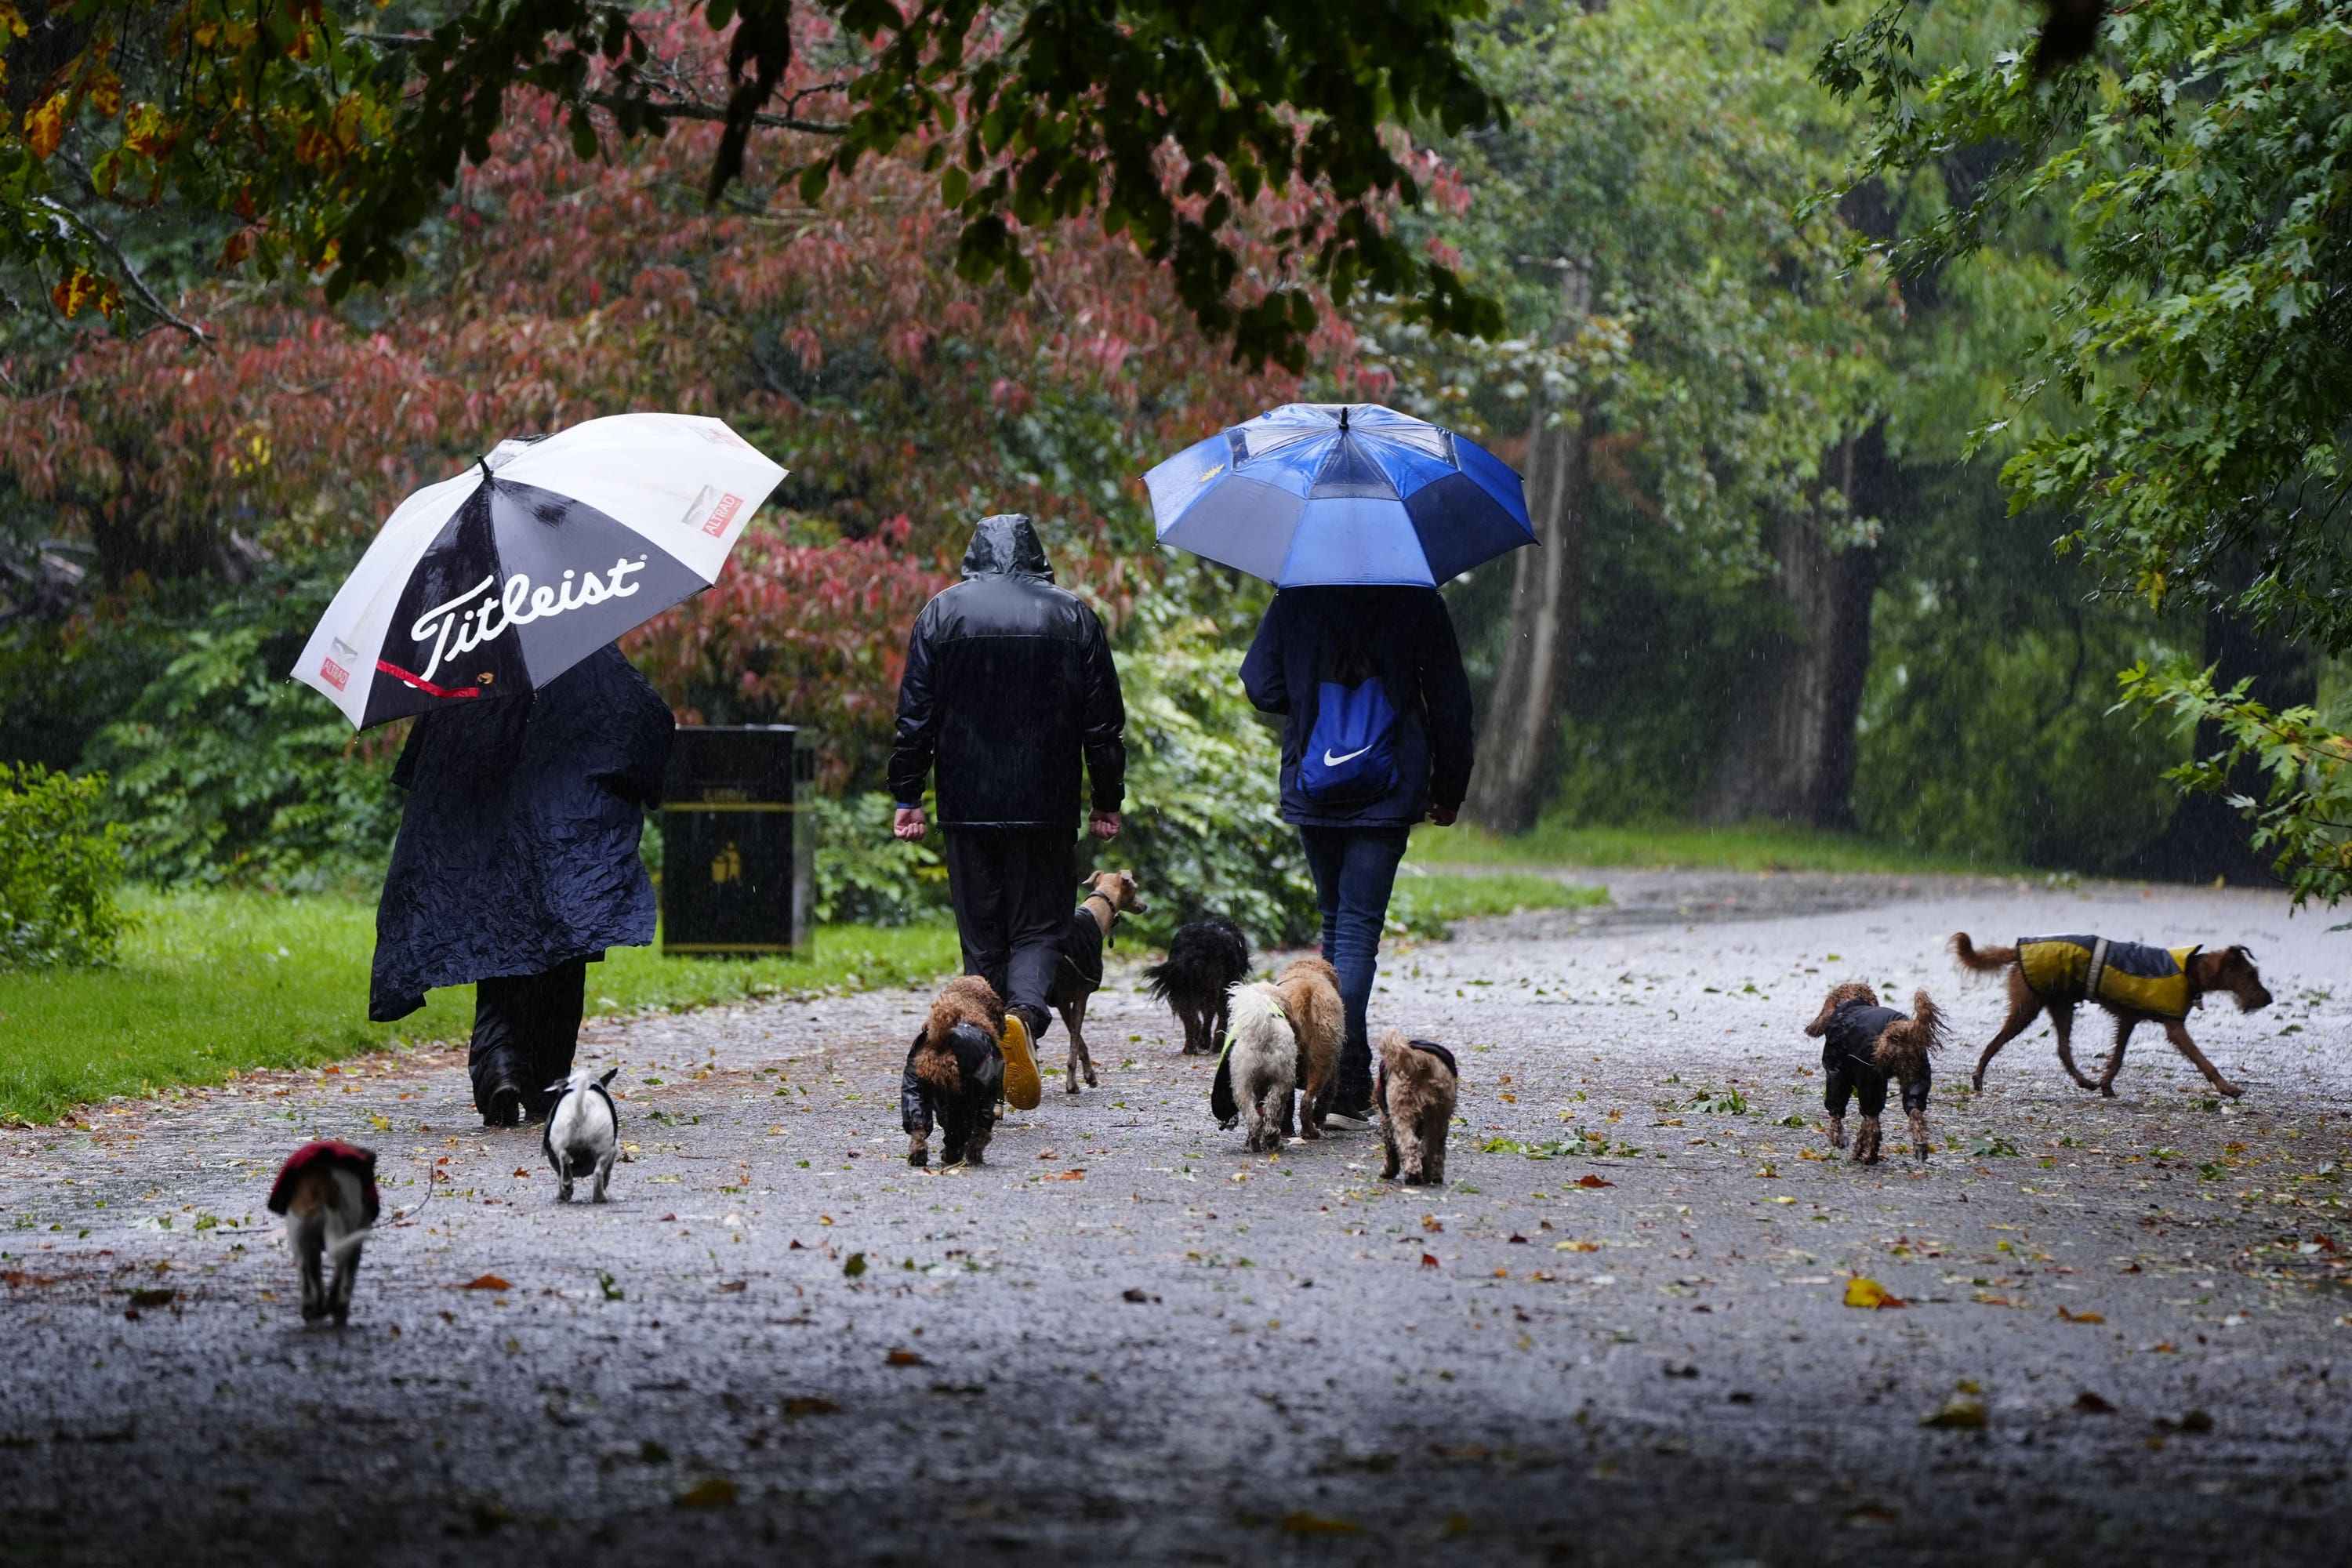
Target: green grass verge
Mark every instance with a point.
(212, 984)
(1425, 905)
(1750, 847)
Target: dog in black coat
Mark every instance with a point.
(1206, 959)
(1864, 1045)
(955, 1072)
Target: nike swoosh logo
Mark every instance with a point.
(1331, 761)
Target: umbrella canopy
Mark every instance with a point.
(1340, 493)
(502, 579)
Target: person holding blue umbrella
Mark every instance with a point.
(1356, 514)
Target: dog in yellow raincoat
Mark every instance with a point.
(2135, 983)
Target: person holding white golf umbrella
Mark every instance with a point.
(487, 609)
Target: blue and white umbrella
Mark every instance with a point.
(1340, 493)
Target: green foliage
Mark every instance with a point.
(1155, 118)
(209, 985)
(225, 771)
(60, 868)
(1752, 847)
(2303, 821)
(864, 875)
(2200, 158)
(1203, 825)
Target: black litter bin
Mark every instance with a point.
(739, 846)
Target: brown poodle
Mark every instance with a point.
(1416, 1091)
(1310, 997)
(955, 1070)
(2136, 984)
(1866, 1046)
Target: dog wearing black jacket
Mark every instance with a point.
(1206, 959)
(1864, 1045)
(955, 1071)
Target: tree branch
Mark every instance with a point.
(692, 109)
(105, 241)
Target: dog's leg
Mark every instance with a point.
(1919, 1134)
(1433, 1154)
(2178, 1032)
(604, 1174)
(2062, 1024)
(1073, 1018)
(1866, 1142)
(984, 1128)
(1837, 1131)
(563, 1176)
(347, 1270)
(919, 1150)
(309, 1245)
(2023, 1008)
(2115, 1059)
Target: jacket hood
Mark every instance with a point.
(1004, 544)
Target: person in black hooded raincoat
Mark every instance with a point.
(1009, 687)
(517, 866)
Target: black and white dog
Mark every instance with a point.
(583, 1131)
(1206, 959)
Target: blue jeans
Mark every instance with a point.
(1354, 870)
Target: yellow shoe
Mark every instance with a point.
(1023, 1087)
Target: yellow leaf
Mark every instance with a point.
(11, 23)
(44, 126)
(78, 288)
(712, 1493)
(1866, 1292)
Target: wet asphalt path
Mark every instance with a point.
(1620, 1334)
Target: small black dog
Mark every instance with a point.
(955, 1070)
(1864, 1045)
(1205, 961)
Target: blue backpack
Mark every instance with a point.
(1350, 755)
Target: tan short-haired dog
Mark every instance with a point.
(1415, 1093)
(1310, 997)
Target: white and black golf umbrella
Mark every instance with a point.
(502, 579)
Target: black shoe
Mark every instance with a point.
(506, 1107)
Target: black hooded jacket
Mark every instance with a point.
(518, 847)
(1009, 684)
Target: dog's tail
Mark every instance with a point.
(1397, 1055)
(1158, 980)
(1980, 960)
(1905, 1045)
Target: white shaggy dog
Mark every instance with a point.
(583, 1133)
(1262, 1061)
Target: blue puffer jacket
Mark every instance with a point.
(1407, 636)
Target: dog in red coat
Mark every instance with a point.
(327, 1192)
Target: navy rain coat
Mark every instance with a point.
(518, 848)
(1407, 636)
(1009, 683)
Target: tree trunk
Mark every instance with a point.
(1790, 749)
(1518, 742)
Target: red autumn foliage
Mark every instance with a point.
(839, 339)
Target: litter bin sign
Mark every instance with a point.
(738, 842)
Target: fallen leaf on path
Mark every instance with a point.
(1305, 1524)
(904, 1358)
(808, 1404)
(855, 1267)
(1428, 1260)
(730, 1286)
(2065, 1316)
(1590, 1180)
(1576, 1247)
(1071, 1175)
(712, 1493)
(2090, 1403)
(487, 1282)
(1861, 1292)
(151, 1297)
(1137, 1293)
(521, 1172)
(1959, 1412)
(1432, 1224)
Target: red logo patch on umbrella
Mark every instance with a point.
(334, 674)
(723, 515)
